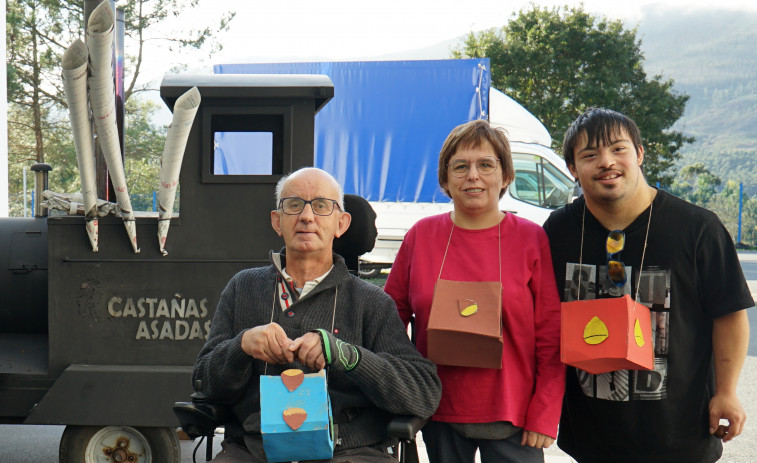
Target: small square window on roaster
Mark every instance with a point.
(242, 147)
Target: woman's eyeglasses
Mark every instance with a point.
(484, 166)
(616, 269)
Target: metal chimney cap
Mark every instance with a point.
(41, 167)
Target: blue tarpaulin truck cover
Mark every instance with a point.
(381, 134)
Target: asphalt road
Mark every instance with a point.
(749, 266)
(39, 444)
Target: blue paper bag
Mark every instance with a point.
(296, 424)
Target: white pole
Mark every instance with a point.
(3, 124)
(24, 187)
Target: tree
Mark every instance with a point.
(145, 142)
(38, 32)
(726, 205)
(696, 184)
(59, 151)
(560, 61)
(35, 31)
(142, 26)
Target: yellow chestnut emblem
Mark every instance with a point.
(292, 378)
(595, 331)
(467, 310)
(637, 334)
(294, 417)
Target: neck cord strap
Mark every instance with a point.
(273, 311)
(444, 258)
(273, 308)
(643, 251)
(499, 249)
(333, 311)
(581, 252)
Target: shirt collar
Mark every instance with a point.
(309, 285)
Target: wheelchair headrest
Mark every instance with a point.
(360, 237)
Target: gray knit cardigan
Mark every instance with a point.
(391, 377)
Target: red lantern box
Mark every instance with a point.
(602, 335)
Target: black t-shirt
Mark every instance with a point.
(691, 275)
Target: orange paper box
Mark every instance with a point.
(603, 335)
(465, 325)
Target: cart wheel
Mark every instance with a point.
(100, 444)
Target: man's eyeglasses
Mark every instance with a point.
(484, 166)
(616, 269)
(320, 206)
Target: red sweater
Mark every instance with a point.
(528, 390)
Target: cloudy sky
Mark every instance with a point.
(336, 30)
(347, 29)
(304, 30)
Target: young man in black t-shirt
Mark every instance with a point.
(687, 271)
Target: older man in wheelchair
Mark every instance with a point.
(307, 311)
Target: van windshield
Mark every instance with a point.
(540, 183)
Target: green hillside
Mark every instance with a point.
(712, 57)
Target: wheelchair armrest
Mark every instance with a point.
(200, 419)
(405, 427)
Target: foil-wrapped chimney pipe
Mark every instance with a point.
(104, 186)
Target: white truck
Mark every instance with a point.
(542, 184)
(381, 134)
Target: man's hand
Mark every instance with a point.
(536, 440)
(268, 343)
(727, 407)
(730, 341)
(309, 351)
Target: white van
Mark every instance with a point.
(542, 184)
